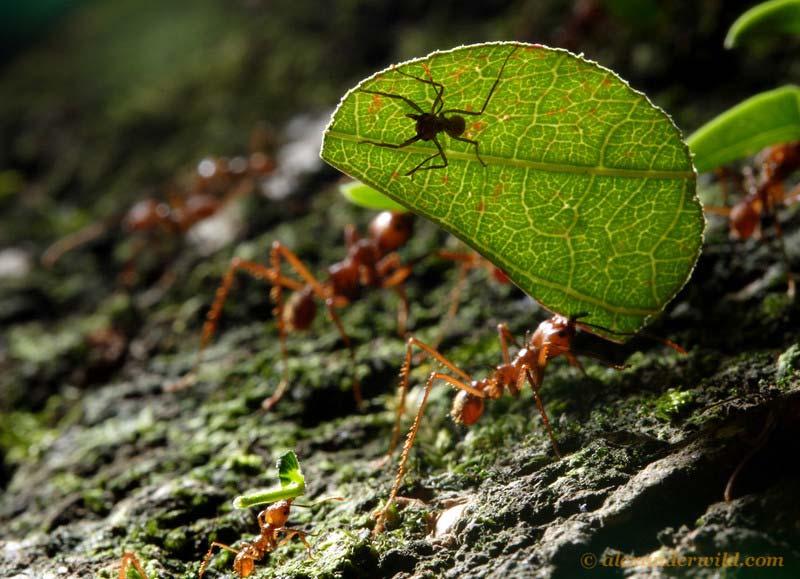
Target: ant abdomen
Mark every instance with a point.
(301, 310)
(391, 229)
(467, 408)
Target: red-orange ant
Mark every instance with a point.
(371, 262)
(271, 522)
(765, 194)
(552, 338)
(127, 561)
(429, 125)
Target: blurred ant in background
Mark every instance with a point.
(371, 262)
(765, 193)
(216, 182)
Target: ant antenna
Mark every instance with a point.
(318, 502)
(664, 341)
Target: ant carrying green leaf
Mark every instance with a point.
(271, 521)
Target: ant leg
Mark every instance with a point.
(291, 534)
(475, 144)
(402, 310)
(491, 91)
(214, 314)
(526, 373)
(407, 100)
(207, 558)
(395, 280)
(467, 263)
(71, 241)
(128, 559)
(280, 251)
(402, 388)
(437, 102)
(429, 167)
(412, 433)
(406, 143)
(760, 441)
(506, 336)
(790, 284)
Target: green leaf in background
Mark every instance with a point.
(766, 119)
(765, 19)
(587, 200)
(293, 484)
(365, 196)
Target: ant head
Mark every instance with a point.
(277, 514)
(391, 229)
(467, 408)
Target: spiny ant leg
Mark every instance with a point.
(402, 388)
(214, 314)
(407, 100)
(527, 374)
(291, 534)
(491, 90)
(209, 554)
(428, 168)
(412, 435)
(330, 305)
(390, 145)
(437, 102)
(471, 142)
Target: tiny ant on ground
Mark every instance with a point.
(127, 561)
(439, 120)
(271, 522)
(765, 194)
(371, 262)
(552, 338)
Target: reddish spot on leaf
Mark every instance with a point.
(479, 206)
(375, 105)
(497, 191)
(556, 111)
(445, 180)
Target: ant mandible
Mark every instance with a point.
(370, 262)
(552, 338)
(429, 125)
(271, 522)
(765, 194)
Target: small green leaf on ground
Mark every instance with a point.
(587, 200)
(365, 196)
(292, 484)
(772, 18)
(766, 119)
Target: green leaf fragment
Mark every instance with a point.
(766, 119)
(588, 198)
(365, 196)
(289, 471)
(765, 19)
(292, 485)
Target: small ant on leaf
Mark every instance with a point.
(765, 194)
(439, 120)
(371, 262)
(552, 338)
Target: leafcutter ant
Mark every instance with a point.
(552, 338)
(271, 523)
(371, 262)
(765, 194)
(428, 125)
